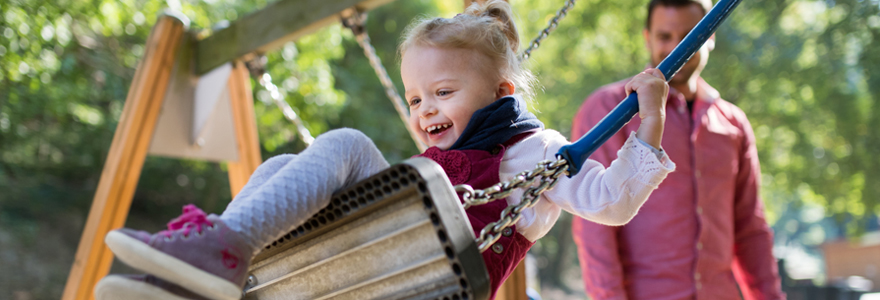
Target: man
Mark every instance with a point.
(702, 233)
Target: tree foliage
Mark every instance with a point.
(805, 72)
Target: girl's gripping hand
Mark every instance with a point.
(651, 87)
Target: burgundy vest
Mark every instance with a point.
(479, 169)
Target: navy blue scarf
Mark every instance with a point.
(497, 123)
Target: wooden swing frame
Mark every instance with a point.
(260, 32)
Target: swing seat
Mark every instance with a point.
(399, 234)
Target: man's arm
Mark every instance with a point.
(597, 244)
(754, 265)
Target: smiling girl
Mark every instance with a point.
(465, 88)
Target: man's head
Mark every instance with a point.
(669, 21)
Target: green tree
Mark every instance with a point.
(806, 73)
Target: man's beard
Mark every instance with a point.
(682, 76)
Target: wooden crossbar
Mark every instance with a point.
(269, 28)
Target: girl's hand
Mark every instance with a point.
(652, 89)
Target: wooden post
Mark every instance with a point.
(126, 158)
(246, 138)
(514, 288)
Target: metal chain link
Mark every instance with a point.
(546, 32)
(258, 70)
(356, 23)
(546, 174)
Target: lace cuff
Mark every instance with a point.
(660, 153)
(650, 165)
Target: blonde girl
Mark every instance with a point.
(467, 93)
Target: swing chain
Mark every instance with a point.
(550, 27)
(546, 174)
(355, 22)
(257, 69)
(501, 190)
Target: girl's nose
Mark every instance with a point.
(427, 111)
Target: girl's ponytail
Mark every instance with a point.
(501, 12)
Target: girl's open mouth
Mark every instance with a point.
(437, 129)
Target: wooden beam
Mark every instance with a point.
(245, 123)
(271, 27)
(126, 158)
(514, 288)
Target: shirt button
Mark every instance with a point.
(507, 231)
(697, 173)
(497, 248)
(699, 210)
(697, 277)
(699, 247)
(699, 286)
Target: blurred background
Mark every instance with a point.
(807, 73)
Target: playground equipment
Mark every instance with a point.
(164, 79)
(400, 234)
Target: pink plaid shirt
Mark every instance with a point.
(702, 231)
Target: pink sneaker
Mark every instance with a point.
(141, 287)
(197, 252)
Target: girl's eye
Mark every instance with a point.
(414, 101)
(443, 93)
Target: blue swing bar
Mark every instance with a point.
(579, 151)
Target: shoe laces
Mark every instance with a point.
(192, 219)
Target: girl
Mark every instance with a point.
(465, 87)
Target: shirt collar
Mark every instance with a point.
(705, 93)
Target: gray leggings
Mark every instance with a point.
(287, 189)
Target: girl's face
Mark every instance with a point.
(444, 87)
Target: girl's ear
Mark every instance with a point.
(505, 88)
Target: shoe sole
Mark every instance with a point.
(118, 287)
(141, 256)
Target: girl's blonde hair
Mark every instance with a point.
(487, 28)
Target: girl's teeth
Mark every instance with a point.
(437, 127)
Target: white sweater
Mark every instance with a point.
(610, 196)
